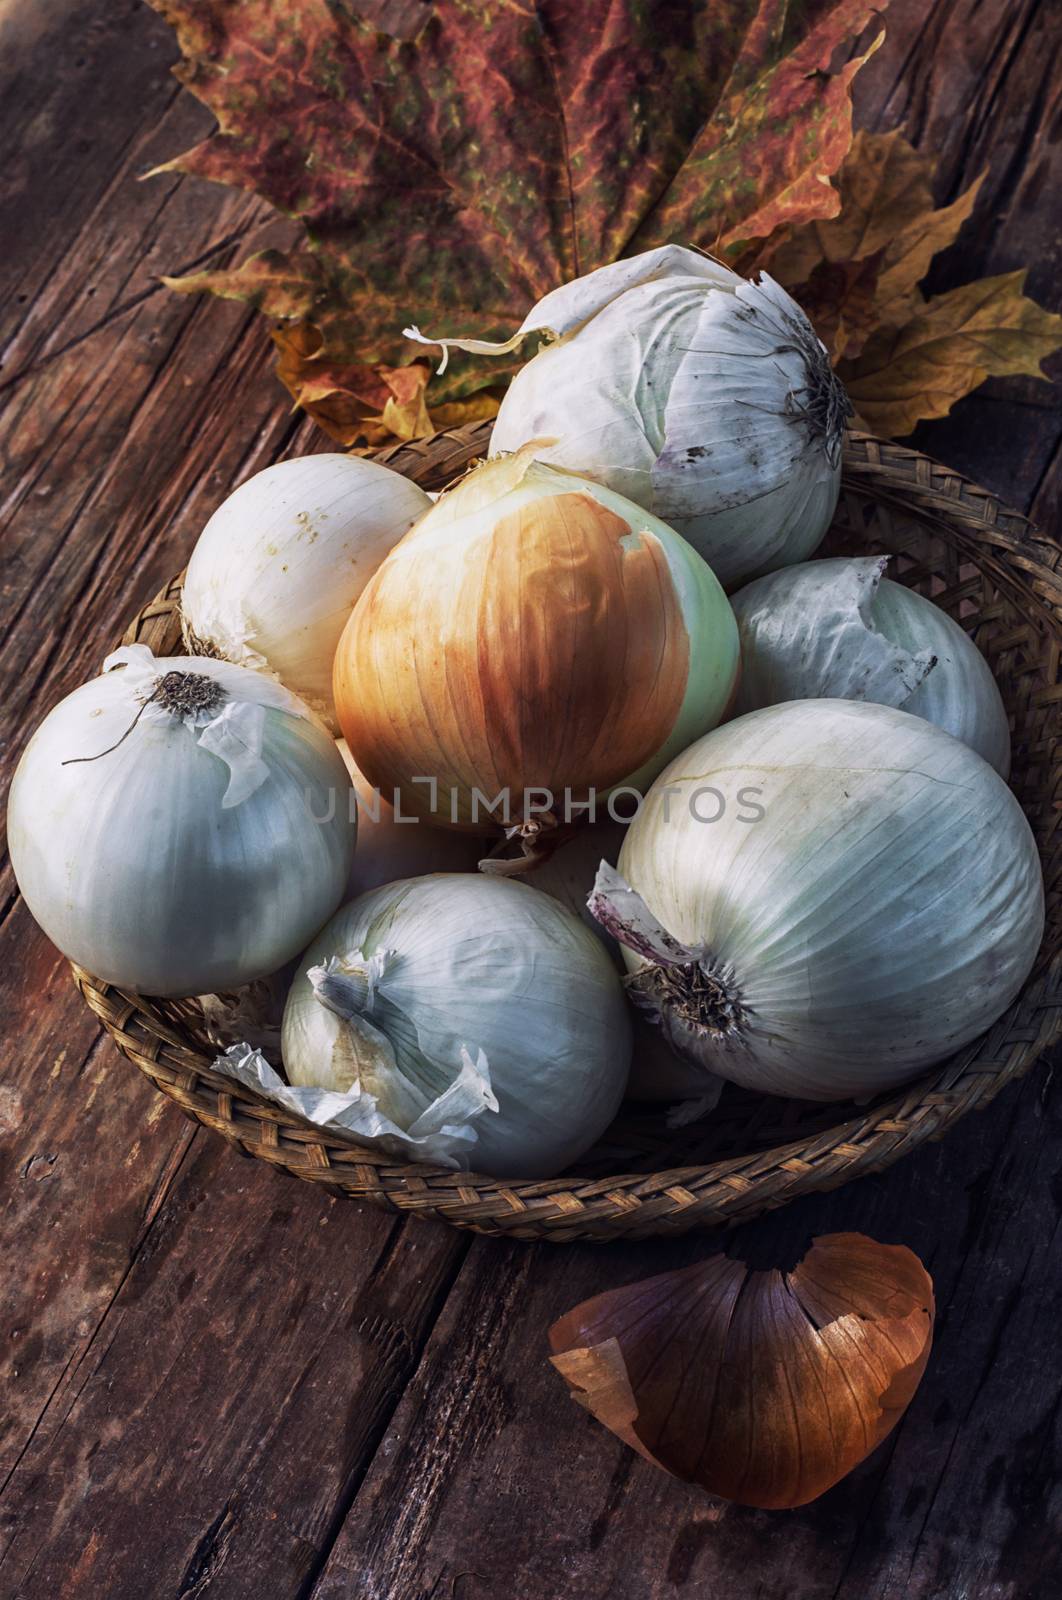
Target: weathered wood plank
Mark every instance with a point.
(227, 1404)
(981, 87)
(116, 438)
(79, 83)
(86, 1154)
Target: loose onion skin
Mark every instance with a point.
(762, 1387)
(882, 911)
(533, 631)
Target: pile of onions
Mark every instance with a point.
(707, 399)
(533, 632)
(282, 560)
(840, 629)
(824, 898)
(820, 898)
(164, 824)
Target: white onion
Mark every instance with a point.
(707, 399)
(881, 913)
(465, 1018)
(278, 567)
(174, 851)
(840, 629)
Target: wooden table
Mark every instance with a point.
(220, 1382)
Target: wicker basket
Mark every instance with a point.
(988, 568)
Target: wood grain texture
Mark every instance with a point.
(222, 1383)
(291, 1323)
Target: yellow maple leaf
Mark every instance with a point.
(883, 182)
(984, 329)
(858, 271)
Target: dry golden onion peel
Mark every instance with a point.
(763, 1387)
(824, 898)
(533, 632)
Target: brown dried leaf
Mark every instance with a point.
(366, 407)
(882, 183)
(841, 299)
(763, 1388)
(983, 329)
(904, 358)
(908, 259)
(858, 271)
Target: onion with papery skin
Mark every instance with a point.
(881, 911)
(706, 398)
(282, 560)
(840, 629)
(465, 1018)
(763, 1387)
(390, 849)
(533, 632)
(180, 826)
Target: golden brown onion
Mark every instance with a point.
(763, 1387)
(531, 631)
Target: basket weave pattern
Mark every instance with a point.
(988, 568)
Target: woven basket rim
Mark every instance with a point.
(162, 1041)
